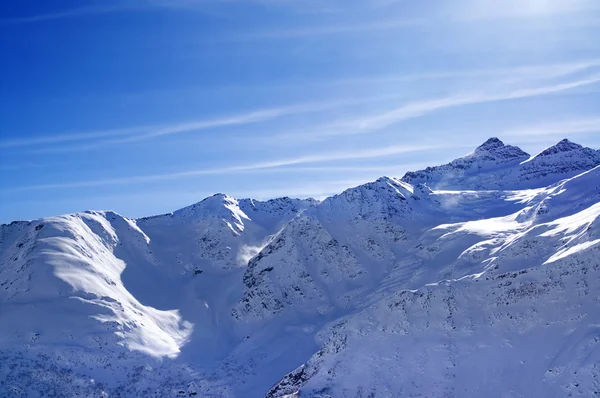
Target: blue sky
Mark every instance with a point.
(144, 106)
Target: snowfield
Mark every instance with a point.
(476, 278)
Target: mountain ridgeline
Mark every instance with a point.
(480, 277)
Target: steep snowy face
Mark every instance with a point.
(378, 235)
(275, 212)
(325, 261)
(16, 242)
(495, 165)
(570, 196)
(115, 295)
(68, 265)
(218, 208)
(559, 161)
(322, 260)
(563, 146)
(522, 319)
(386, 199)
(220, 232)
(78, 318)
(527, 333)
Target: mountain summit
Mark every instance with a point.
(563, 146)
(496, 148)
(491, 144)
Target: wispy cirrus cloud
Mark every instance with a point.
(249, 118)
(423, 107)
(512, 74)
(140, 133)
(466, 12)
(419, 108)
(69, 13)
(63, 138)
(253, 167)
(107, 8)
(507, 75)
(556, 128)
(522, 74)
(516, 9)
(141, 5)
(325, 30)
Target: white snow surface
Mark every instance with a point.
(476, 278)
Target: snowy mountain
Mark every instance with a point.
(474, 278)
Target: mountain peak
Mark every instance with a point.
(217, 196)
(219, 205)
(495, 147)
(562, 146)
(490, 145)
(216, 201)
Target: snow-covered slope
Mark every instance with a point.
(97, 296)
(221, 232)
(521, 321)
(475, 278)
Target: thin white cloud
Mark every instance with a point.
(518, 9)
(307, 159)
(140, 5)
(249, 118)
(71, 13)
(470, 11)
(106, 8)
(388, 169)
(62, 138)
(325, 30)
(120, 136)
(145, 132)
(411, 110)
(243, 119)
(512, 75)
(561, 127)
(421, 108)
(94, 140)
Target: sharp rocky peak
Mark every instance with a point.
(491, 144)
(494, 146)
(562, 146)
